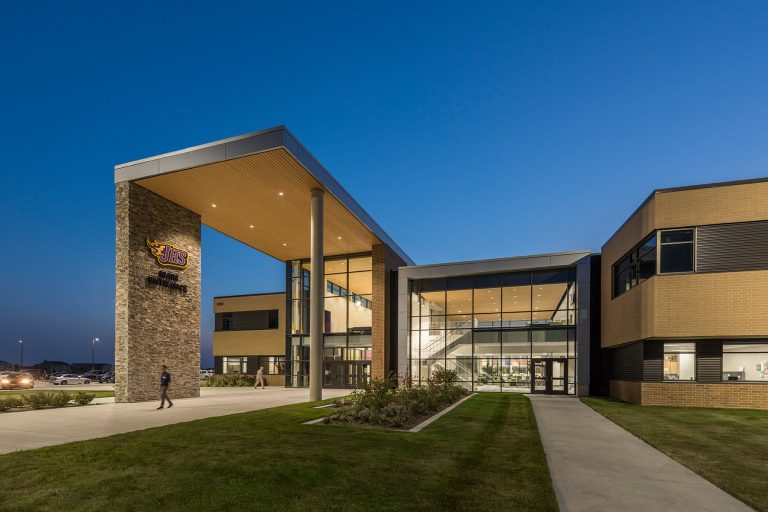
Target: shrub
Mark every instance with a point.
(82, 398)
(37, 400)
(236, 380)
(59, 398)
(10, 402)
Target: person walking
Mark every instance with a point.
(259, 378)
(165, 381)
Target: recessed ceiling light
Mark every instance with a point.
(284, 244)
(251, 226)
(338, 237)
(280, 194)
(213, 205)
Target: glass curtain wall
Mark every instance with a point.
(489, 328)
(348, 289)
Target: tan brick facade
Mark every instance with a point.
(696, 305)
(155, 325)
(267, 342)
(730, 395)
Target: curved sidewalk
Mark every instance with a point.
(598, 466)
(47, 427)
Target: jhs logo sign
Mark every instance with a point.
(167, 255)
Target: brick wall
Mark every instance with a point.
(155, 325)
(694, 305)
(691, 394)
(726, 395)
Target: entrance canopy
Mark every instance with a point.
(256, 188)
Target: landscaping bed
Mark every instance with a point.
(384, 403)
(49, 400)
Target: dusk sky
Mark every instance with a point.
(467, 130)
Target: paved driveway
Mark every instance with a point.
(34, 429)
(598, 466)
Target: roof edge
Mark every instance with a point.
(583, 252)
(715, 184)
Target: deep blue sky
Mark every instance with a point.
(469, 131)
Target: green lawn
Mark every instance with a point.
(728, 447)
(19, 392)
(484, 455)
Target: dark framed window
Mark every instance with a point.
(677, 251)
(635, 267)
(745, 361)
(227, 323)
(680, 361)
(272, 319)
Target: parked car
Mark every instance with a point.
(206, 374)
(16, 380)
(107, 377)
(93, 374)
(70, 378)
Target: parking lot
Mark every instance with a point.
(41, 385)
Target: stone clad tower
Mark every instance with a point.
(157, 305)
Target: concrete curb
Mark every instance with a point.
(436, 416)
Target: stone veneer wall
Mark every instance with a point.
(730, 395)
(155, 325)
(383, 329)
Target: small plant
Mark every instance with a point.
(82, 398)
(59, 398)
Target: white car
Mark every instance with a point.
(69, 378)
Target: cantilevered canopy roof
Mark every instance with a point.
(261, 185)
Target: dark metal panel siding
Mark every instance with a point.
(218, 364)
(653, 361)
(627, 362)
(709, 361)
(732, 247)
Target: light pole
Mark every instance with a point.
(93, 352)
(21, 357)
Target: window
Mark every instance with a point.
(275, 365)
(486, 326)
(247, 320)
(676, 251)
(635, 267)
(679, 361)
(234, 365)
(226, 322)
(745, 362)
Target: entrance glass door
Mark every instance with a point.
(549, 376)
(346, 374)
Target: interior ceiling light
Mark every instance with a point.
(284, 244)
(338, 237)
(251, 226)
(280, 194)
(213, 205)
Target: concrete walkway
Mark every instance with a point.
(34, 429)
(598, 466)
